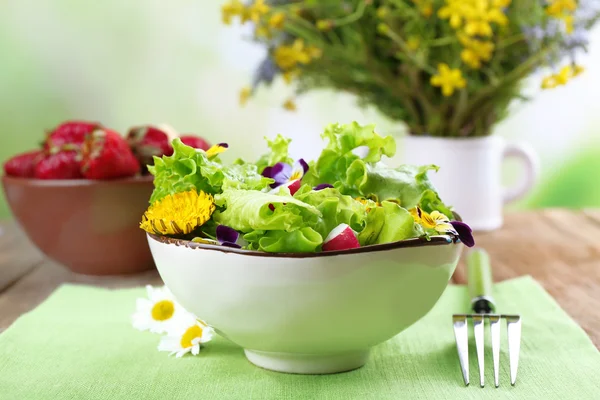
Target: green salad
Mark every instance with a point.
(346, 198)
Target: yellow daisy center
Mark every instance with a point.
(163, 310)
(190, 334)
(179, 213)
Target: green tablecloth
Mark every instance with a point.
(80, 344)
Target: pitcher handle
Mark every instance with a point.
(531, 166)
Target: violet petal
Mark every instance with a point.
(323, 186)
(303, 164)
(226, 234)
(267, 172)
(281, 174)
(229, 244)
(465, 234)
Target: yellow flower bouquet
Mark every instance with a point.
(444, 67)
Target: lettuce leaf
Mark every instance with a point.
(406, 185)
(248, 210)
(335, 209)
(189, 169)
(304, 240)
(388, 223)
(279, 153)
(345, 142)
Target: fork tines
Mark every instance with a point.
(513, 324)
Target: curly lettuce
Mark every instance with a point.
(279, 153)
(191, 169)
(248, 210)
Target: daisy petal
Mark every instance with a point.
(196, 350)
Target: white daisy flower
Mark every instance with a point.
(156, 312)
(186, 336)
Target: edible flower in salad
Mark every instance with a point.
(284, 173)
(441, 223)
(217, 149)
(226, 236)
(179, 213)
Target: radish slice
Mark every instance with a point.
(342, 237)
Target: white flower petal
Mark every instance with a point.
(196, 349)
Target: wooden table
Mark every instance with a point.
(559, 248)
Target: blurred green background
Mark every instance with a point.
(132, 62)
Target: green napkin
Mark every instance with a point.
(80, 344)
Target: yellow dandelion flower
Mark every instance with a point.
(290, 105)
(257, 10)
(245, 94)
(179, 213)
(231, 9)
(287, 57)
(277, 20)
(448, 79)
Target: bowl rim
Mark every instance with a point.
(33, 182)
(438, 240)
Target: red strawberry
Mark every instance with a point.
(106, 155)
(61, 165)
(195, 142)
(23, 165)
(149, 141)
(70, 133)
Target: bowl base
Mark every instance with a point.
(312, 364)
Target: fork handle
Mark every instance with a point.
(479, 275)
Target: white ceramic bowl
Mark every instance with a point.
(308, 313)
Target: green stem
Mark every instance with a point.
(355, 16)
(408, 52)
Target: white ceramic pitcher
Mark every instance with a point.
(470, 177)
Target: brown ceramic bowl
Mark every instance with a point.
(91, 227)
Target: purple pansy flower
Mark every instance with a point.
(322, 186)
(227, 236)
(464, 232)
(283, 173)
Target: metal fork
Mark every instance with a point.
(480, 289)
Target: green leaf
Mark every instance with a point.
(279, 153)
(189, 169)
(388, 223)
(247, 210)
(335, 209)
(305, 240)
(404, 185)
